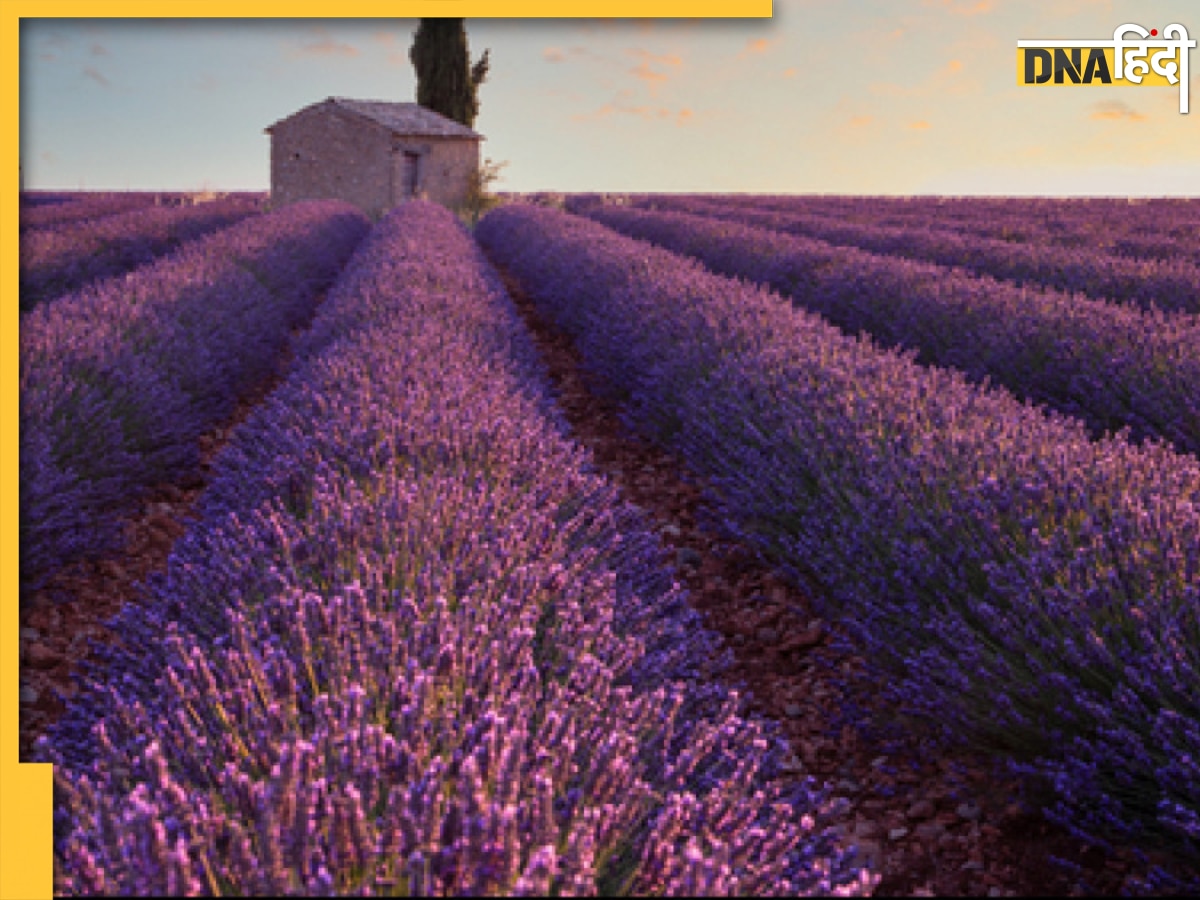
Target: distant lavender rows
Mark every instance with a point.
(43, 210)
(55, 260)
(33, 199)
(1024, 588)
(120, 379)
(1156, 229)
(1149, 229)
(1167, 284)
(413, 646)
(1112, 365)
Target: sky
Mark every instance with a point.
(869, 97)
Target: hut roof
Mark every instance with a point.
(399, 118)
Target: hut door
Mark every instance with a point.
(408, 174)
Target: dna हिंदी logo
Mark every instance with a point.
(1121, 61)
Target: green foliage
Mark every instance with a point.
(447, 81)
(479, 197)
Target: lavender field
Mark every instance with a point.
(64, 247)
(413, 640)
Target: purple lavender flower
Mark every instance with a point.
(119, 379)
(414, 645)
(1025, 587)
(56, 260)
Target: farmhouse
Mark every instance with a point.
(372, 153)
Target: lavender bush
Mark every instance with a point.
(120, 379)
(1166, 284)
(1112, 365)
(32, 199)
(414, 646)
(1161, 228)
(56, 260)
(1023, 587)
(45, 210)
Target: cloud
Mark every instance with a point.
(665, 59)
(919, 125)
(611, 108)
(650, 76)
(1115, 110)
(96, 76)
(649, 70)
(683, 116)
(557, 54)
(848, 123)
(327, 46)
(397, 53)
(644, 73)
(324, 44)
(757, 46)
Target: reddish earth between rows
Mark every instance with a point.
(930, 824)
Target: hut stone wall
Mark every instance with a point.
(325, 152)
(444, 167)
(331, 154)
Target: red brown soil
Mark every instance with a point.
(964, 832)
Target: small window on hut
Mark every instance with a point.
(409, 173)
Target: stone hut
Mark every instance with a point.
(373, 153)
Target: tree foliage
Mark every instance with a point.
(447, 81)
(480, 198)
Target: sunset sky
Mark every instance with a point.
(887, 97)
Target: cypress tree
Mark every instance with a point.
(447, 81)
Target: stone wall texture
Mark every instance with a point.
(330, 153)
(443, 171)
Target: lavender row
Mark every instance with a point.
(48, 210)
(33, 199)
(1162, 228)
(1150, 246)
(1023, 587)
(54, 261)
(1114, 366)
(1167, 284)
(120, 379)
(44, 209)
(414, 647)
